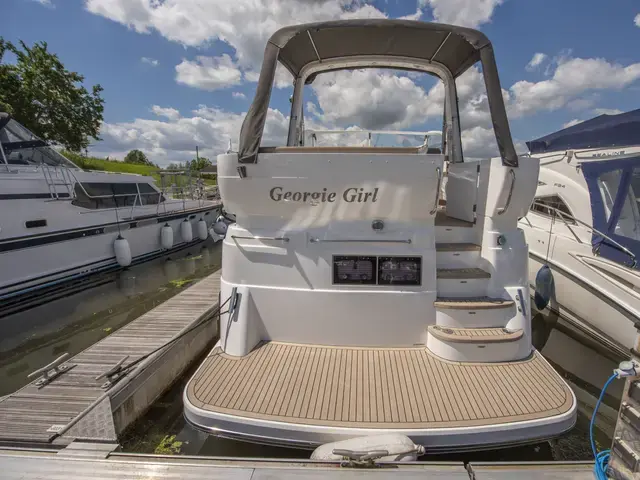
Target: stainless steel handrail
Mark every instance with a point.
(596, 249)
(259, 237)
(513, 184)
(355, 240)
(435, 205)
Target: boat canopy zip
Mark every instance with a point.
(448, 50)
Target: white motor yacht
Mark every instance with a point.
(584, 224)
(352, 302)
(59, 223)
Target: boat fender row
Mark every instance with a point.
(122, 250)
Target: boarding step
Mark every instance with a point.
(474, 312)
(475, 303)
(462, 282)
(457, 255)
(477, 344)
(452, 230)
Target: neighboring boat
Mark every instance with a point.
(59, 224)
(584, 224)
(352, 303)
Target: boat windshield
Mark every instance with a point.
(614, 187)
(21, 147)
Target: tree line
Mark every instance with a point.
(51, 101)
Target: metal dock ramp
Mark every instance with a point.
(77, 404)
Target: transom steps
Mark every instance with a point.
(474, 303)
(457, 247)
(475, 335)
(443, 220)
(461, 273)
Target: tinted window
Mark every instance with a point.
(545, 206)
(105, 195)
(149, 195)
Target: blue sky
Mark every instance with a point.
(180, 73)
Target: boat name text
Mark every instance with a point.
(350, 195)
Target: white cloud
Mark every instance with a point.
(150, 61)
(372, 99)
(170, 113)
(637, 20)
(479, 143)
(245, 25)
(175, 139)
(238, 95)
(468, 13)
(45, 3)
(607, 111)
(571, 123)
(535, 61)
(208, 73)
(412, 16)
(572, 78)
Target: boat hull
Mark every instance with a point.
(33, 267)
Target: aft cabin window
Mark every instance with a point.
(98, 196)
(546, 205)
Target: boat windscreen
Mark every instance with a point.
(21, 147)
(614, 188)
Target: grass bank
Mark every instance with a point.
(104, 165)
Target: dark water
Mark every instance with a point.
(583, 365)
(36, 337)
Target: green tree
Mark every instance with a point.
(136, 156)
(39, 92)
(198, 163)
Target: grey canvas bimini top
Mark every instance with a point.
(456, 48)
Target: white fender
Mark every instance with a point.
(122, 251)
(214, 235)
(202, 230)
(166, 236)
(186, 232)
(399, 447)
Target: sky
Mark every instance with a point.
(182, 73)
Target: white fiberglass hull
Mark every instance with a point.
(30, 265)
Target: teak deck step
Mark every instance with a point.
(442, 220)
(474, 303)
(461, 273)
(368, 387)
(457, 247)
(475, 335)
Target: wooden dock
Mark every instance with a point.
(78, 404)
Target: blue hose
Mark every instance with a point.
(601, 458)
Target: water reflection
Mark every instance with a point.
(35, 337)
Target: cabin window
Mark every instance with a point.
(149, 195)
(545, 205)
(109, 195)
